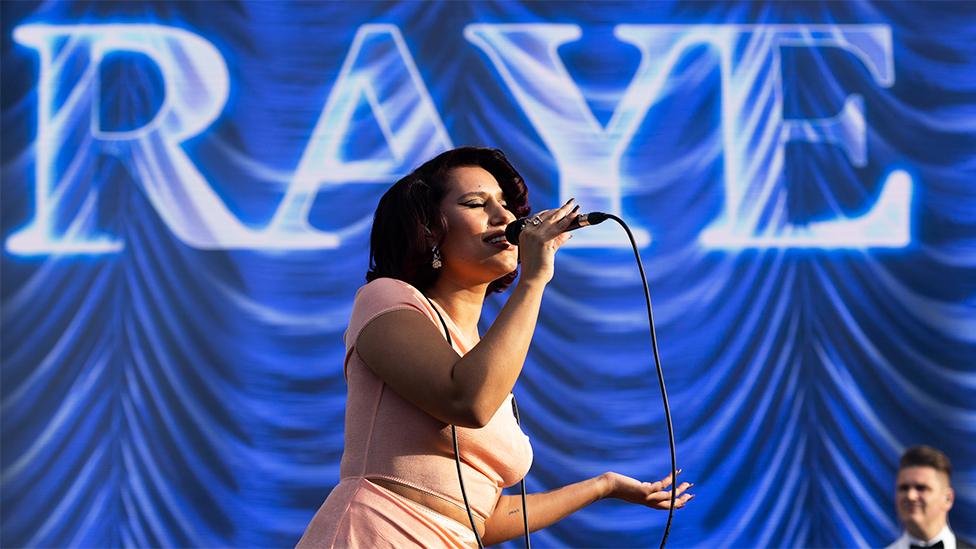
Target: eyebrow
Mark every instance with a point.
(481, 194)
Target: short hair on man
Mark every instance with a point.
(926, 456)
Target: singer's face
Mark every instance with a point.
(474, 249)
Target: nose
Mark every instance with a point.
(501, 216)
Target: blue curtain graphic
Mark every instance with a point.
(187, 190)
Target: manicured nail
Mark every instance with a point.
(576, 209)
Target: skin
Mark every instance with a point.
(923, 499)
(410, 354)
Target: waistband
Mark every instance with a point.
(462, 532)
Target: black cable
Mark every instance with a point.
(660, 376)
(525, 507)
(454, 438)
(597, 217)
(464, 494)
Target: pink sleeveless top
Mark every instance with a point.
(388, 437)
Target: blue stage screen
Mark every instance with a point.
(187, 192)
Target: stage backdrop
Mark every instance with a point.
(187, 195)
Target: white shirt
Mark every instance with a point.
(945, 536)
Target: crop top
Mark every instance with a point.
(388, 437)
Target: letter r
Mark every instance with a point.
(196, 85)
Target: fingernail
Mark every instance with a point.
(576, 209)
(691, 484)
(679, 471)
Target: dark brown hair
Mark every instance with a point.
(408, 218)
(926, 456)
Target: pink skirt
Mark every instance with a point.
(359, 513)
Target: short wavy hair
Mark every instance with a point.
(408, 217)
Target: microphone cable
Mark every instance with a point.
(512, 232)
(595, 217)
(457, 455)
(525, 506)
(464, 493)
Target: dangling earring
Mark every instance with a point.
(436, 261)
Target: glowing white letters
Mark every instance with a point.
(753, 130)
(196, 86)
(754, 134)
(586, 154)
(380, 71)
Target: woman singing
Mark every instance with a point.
(437, 248)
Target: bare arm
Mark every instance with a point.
(547, 508)
(410, 354)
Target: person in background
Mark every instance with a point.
(923, 498)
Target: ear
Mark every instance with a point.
(950, 498)
(434, 230)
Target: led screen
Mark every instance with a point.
(187, 192)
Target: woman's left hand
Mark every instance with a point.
(651, 494)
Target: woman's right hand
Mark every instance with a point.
(538, 242)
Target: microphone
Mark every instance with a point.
(514, 229)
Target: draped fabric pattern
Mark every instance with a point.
(175, 287)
